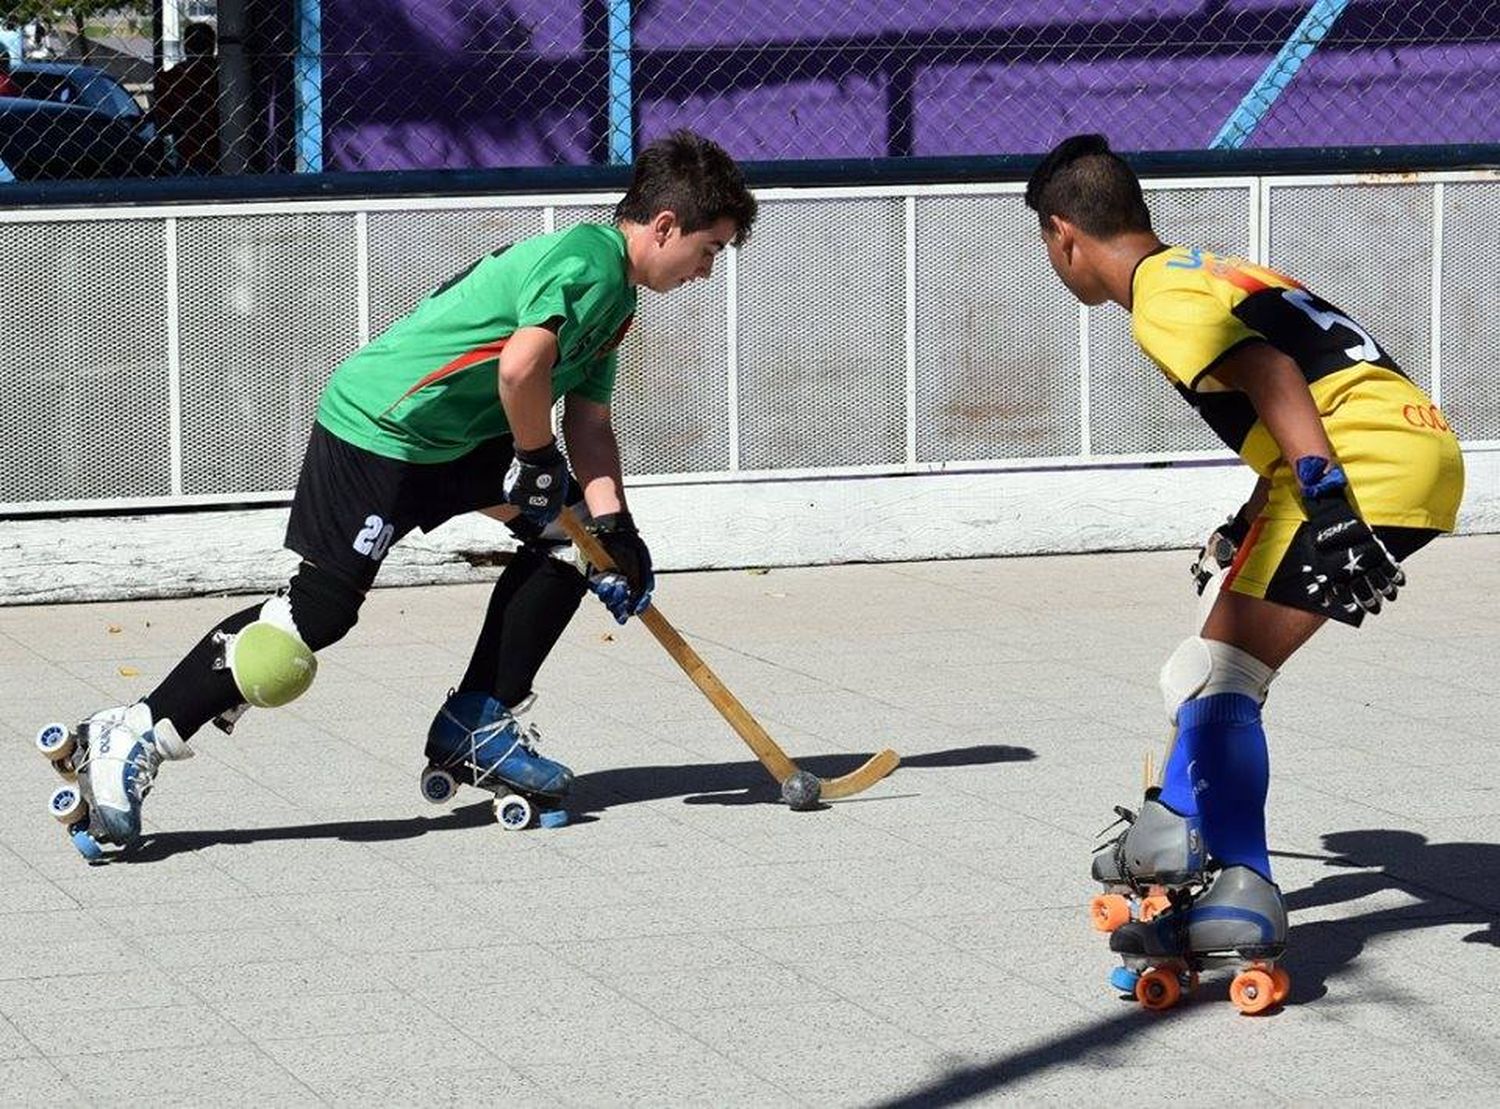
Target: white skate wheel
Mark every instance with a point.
(67, 804)
(513, 812)
(438, 785)
(56, 741)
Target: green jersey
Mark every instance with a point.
(428, 390)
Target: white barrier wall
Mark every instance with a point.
(881, 374)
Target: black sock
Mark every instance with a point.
(531, 604)
(194, 692)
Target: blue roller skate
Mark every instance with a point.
(110, 762)
(476, 740)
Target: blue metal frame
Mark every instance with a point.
(308, 86)
(621, 94)
(1243, 121)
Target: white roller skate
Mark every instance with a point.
(477, 740)
(1157, 855)
(110, 762)
(1240, 921)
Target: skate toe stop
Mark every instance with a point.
(554, 819)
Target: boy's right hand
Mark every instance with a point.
(1219, 549)
(537, 483)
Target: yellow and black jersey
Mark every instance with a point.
(1190, 308)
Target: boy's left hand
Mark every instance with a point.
(625, 590)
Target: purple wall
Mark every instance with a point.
(473, 83)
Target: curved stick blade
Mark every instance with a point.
(857, 781)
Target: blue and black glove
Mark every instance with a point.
(1349, 567)
(537, 483)
(625, 590)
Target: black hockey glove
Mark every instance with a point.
(625, 590)
(1219, 549)
(537, 483)
(1350, 568)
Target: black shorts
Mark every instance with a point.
(352, 505)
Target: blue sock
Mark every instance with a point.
(1176, 784)
(1223, 733)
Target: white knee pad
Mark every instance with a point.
(1202, 667)
(270, 663)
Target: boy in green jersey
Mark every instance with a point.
(449, 411)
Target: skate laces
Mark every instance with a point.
(1122, 816)
(525, 738)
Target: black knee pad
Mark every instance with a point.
(324, 606)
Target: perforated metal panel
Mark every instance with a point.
(83, 323)
(1133, 408)
(268, 310)
(822, 321)
(1471, 291)
(1367, 250)
(997, 335)
(412, 253)
(671, 402)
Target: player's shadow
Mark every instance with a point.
(731, 783)
(1444, 884)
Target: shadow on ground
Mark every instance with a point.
(730, 783)
(1449, 883)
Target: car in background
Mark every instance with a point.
(43, 140)
(81, 85)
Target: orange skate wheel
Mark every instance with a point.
(1281, 985)
(1109, 911)
(1158, 989)
(1154, 905)
(1253, 991)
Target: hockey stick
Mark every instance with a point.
(799, 788)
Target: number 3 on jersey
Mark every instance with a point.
(374, 539)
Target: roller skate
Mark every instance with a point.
(109, 763)
(1240, 921)
(476, 740)
(1158, 852)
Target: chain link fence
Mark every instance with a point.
(216, 87)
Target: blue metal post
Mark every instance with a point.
(1243, 121)
(308, 86)
(621, 97)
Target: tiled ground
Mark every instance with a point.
(301, 928)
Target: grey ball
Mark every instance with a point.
(801, 791)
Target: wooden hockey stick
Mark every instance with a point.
(782, 768)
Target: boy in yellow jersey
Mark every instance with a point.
(1357, 471)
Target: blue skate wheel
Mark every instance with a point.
(556, 818)
(87, 845)
(1124, 980)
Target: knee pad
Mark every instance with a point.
(270, 663)
(1203, 667)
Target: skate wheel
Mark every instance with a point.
(438, 785)
(87, 845)
(1153, 906)
(56, 742)
(553, 818)
(1124, 980)
(1109, 911)
(1281, 985)
(1253, 991)
(67, 804)
(1158, 989)
(513, 812)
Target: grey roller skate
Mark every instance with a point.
(477, 740)
(110, 762)
(1239, 921)
(1158, 853)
